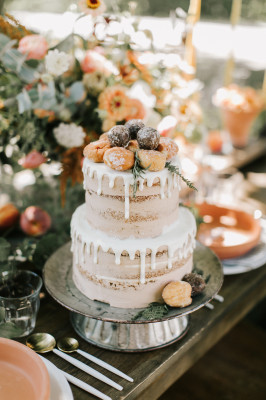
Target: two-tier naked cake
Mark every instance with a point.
(131, 238)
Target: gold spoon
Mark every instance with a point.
(69, 345)
(44, 342)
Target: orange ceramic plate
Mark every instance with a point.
(23, 375)
(228, 232)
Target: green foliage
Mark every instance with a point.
(152, 312)
(45, 193)
(6, 262)
(14, 61)
(137, 172)
(175, 170)
(5, 248)
(45, 248)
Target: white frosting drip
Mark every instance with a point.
(179, 239)
(91, 169)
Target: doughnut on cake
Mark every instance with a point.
(131, 238)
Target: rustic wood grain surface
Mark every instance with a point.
(230, 370)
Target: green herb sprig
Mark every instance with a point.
(138, 172)
(174, 169)
(153, 311)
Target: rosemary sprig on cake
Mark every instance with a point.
(137, 172)
(174, 169)
(137, 147)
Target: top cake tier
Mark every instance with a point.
(112, 208)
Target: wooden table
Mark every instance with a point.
(155, 371)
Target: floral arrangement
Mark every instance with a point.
(58, 96)
(55, 99)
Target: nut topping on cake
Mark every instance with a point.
(119, 136)
(177, 294)
(134, 125)
(152, 160)
(168, 147)
(95, 150)
(148, 138)
(119, 158)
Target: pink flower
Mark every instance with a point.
(94, 61)
(35, 46)
(32, 160)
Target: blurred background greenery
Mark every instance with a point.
(210, 9)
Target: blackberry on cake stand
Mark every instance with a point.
(124, 329)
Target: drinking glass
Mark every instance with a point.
(19, 302)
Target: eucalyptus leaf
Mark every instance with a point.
(24, 102)
(76, 91)
(32, 63)
(4, 40)
(13, 60)
(27, 74)
(66, 44)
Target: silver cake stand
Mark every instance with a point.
(117, 328)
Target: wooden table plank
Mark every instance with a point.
(231, 370)
(155, 371)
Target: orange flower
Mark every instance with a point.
(161, 96)
(133, 58)
(2, 104)
(137, 110)
(42, 113)
(115, 102)
(129, 74)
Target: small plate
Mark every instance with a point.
(23, 375)
(254, 259)
(228, 232)
(60, 388)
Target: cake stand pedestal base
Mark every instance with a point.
(116, 328)
(129, 337)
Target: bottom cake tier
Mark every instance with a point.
(130, 273)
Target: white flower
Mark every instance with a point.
(69, 135)
(46, 78)
(94, 82)
(92, 7)
(57, 62)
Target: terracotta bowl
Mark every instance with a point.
(228, 232)
(23, 375)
